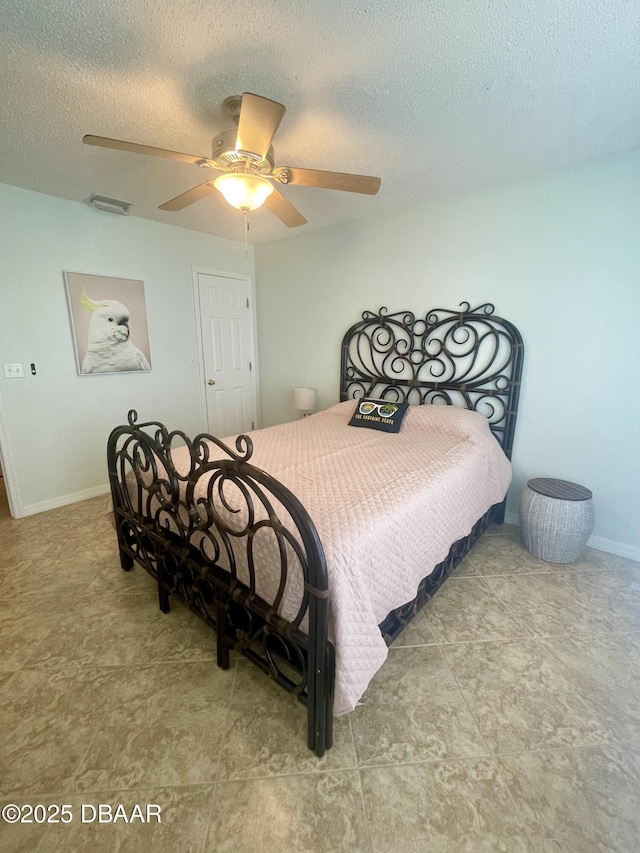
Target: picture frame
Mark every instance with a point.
(108, 323)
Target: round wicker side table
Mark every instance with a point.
(556, 519)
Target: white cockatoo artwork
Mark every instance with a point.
(109, 345)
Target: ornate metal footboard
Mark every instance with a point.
(204, 529)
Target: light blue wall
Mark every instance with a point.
(57, 422)
(558, 255)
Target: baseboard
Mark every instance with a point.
(64, 500)
(597, 542)
(611, 547)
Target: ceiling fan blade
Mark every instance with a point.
(190, 197)
(284, 210)
(134, 148)
(329, 180)
(258, 122)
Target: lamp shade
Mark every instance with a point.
(244, 191)
(304, 399)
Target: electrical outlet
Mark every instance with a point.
(13, 371)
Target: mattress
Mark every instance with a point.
(387, 508)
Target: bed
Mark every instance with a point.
(309, 546)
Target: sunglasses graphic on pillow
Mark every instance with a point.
(385, 410)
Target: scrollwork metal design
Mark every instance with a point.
(205, 522)
(236, 545)
(469, 358)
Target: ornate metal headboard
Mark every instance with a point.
(468, 358)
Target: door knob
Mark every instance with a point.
(211, 381)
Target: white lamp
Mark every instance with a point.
(244, 190)
(304, 401)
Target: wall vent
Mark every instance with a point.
(110, 205)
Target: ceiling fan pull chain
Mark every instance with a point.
(246, 233)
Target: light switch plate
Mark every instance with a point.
(13, 371)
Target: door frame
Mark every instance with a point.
(12, 486)
(255, 378)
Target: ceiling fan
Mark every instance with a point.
(246, 160)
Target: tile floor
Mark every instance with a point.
(507, 717)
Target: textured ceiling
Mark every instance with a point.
(434, 96)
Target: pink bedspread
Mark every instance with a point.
(387, 507)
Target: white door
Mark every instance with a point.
(227, 347)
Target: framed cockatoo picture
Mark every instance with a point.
(108, 322)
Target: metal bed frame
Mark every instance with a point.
(194, 527)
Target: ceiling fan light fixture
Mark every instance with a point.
(244, 191)
(246, 160)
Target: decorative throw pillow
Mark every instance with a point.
(378, 414)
